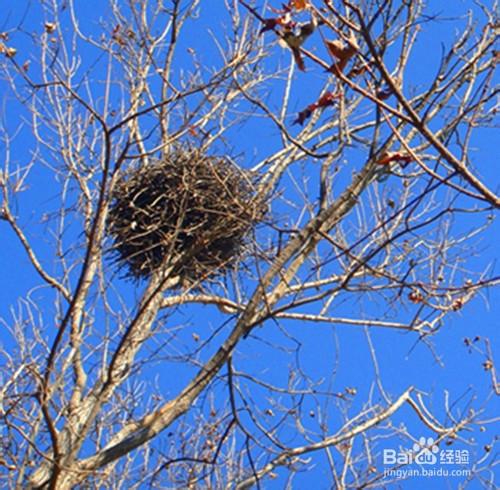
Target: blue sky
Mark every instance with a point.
(342, 351)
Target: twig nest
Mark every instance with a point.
(188, 213)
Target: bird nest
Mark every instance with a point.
(188, 214)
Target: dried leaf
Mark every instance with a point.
(394, 156)
(284, 21)
(297, 56)
(299, 5)
(416, 297)
(269, 25)
(327, 99)
(488, 365)
(343, 52)
(285, 9)
(336, 48)
(296, 5)
(457, 304)
(10, 52)
(384, 94)
(303, 116)
(357, 70)
(351, 391)
(50, 27)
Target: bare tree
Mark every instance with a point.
(354, 197)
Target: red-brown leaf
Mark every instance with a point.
(415, 297)
(273, 22)
(394, 156)
(343, 52)
(327, 99)
(304, 115)
(336, 48)
(384, 94)
(285, 9)
(297, 56)
(299, 5)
